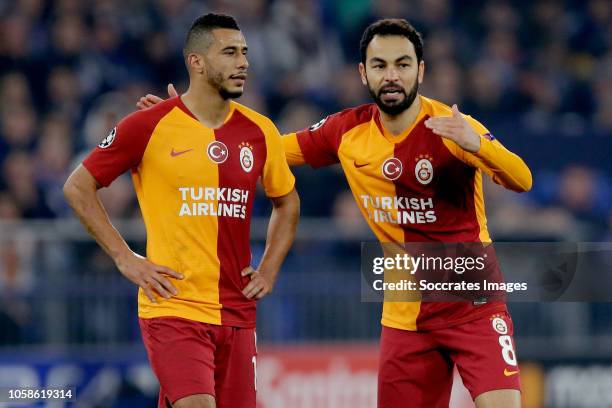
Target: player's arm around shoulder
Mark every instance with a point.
(473, 144)
(318, 144)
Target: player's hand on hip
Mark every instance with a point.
(149, 276)
(258, 287)
(149, 99)
(455, 128)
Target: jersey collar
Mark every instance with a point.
(423, 112)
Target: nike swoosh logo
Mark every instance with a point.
(359, 165)
(508, 373)
(174, 153)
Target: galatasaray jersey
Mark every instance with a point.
(413, 187)
(196, 187)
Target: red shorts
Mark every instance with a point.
(190, 357)
(416, 368)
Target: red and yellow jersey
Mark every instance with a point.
(413, 187)
(196, 187)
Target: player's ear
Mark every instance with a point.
(362, 73)
(421, 71)
(196, 63)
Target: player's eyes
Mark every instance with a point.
(378, 66)
(404, 65)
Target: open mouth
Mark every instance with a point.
(242, 77)
(391, 94)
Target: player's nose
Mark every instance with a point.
(243, 62)
(391, 75)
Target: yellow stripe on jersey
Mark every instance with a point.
(360, 155)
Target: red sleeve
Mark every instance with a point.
(125, 145)
(320, 142)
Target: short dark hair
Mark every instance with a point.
(202, 27)
(392, 26)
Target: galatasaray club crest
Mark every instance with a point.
(217, 151)
(392, 168)
(246, 156)
(499, 325)
(423, 170)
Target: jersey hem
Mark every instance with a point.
(226, 322)
(482, 311)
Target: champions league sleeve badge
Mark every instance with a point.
(108, 140)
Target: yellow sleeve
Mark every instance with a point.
(276, 178)
(505, 168)
(293, 152)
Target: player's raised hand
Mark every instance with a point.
(455, 128)
(149, 99)
(258, 287)
(149, 276)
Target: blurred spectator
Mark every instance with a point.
(348, 89)
(119, 199)
(511, 218)
(602, 90)
(444, 82)
(302, 52)
(297, 116)
(15, 90)
(15, 44)
(16, 280)
(20, 183)
(104, 115)
(68, 39)
(9, 208)
(580, 193)
(18, 124)
(64, 95)
(53, 158)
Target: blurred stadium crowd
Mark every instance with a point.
(529, 70)
(69, 69)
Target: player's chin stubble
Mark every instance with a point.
(398, 108)
(227, 94)
(217, 81)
